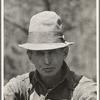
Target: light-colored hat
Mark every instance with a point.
(45, 32)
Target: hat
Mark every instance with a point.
(45, 32)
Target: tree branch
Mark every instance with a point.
(16, 25)
(47, 5)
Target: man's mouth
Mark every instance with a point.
(48, 69)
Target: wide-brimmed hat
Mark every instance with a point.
(45, 32)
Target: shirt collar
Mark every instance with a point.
(67, 75)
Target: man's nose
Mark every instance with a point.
(47, 58)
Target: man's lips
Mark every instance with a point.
(48, 69)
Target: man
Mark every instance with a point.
(52, 80)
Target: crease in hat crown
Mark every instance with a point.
(45, 32)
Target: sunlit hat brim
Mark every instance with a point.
(45, 46)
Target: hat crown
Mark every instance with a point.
(45, 27)
(45, 21)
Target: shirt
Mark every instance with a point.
(29, 87)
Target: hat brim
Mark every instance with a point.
(45, 46)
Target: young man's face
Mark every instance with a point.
(48, 62)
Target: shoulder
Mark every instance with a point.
(86, 83)
(19, 78)
(86, 89)
(17, 87)
(18, 83)
(85, 80)
(22, 77)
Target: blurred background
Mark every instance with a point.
(79, 26)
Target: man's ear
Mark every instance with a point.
(66, 50)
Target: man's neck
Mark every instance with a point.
(52, 81)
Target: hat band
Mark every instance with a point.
(46, 37)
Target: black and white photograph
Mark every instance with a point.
(50, 50)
